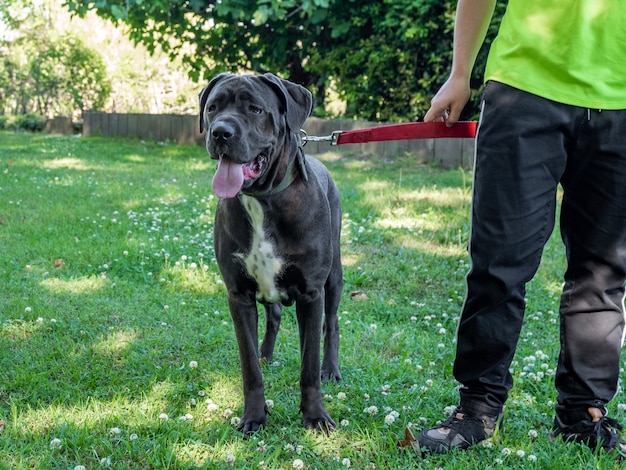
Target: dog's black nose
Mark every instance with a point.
(222, 131)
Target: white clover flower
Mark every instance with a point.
(521, 454)
(56, 443)
(115, 432)
(269, 404)
(344, 423)
(532, 458)
(163, 417)
(346, 463)
(133, 437)
(289, 447)
(389, 419)
(341, 396)
(621, 406)
(371, 410)
(297, 464)
(506, 451)
(28, 309)
(227, 413)
(230, 460)
(193, 364)
(532, 434)
(80, 467)
(442, 331)
(212, 407)
(235, 421)
(385, 389)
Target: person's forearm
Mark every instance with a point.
(471, 24)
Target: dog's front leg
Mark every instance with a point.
(245, 317)
(309, 310)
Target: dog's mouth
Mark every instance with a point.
(254, 168)
(230, 176)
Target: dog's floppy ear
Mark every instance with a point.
(296, 100)
(204, 95)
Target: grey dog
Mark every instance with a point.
(277, 230)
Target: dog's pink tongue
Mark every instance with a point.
(228, 179)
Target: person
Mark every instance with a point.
(553, 112)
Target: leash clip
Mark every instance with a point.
(332, 138)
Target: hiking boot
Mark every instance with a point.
(459, 431)
(596, 431)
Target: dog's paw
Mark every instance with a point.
(331, 375)
(253, 419)
(250, 427)
(323, 424)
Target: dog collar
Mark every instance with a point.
(296, 165)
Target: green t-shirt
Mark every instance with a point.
(570, 51)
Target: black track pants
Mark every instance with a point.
(526, 146)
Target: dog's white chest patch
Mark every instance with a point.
(261, 262)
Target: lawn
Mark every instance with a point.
(117, 349)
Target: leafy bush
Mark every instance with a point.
(52, 75)
(32, 122)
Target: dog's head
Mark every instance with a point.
(247, 119)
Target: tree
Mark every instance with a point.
(69, 76)
(44, 72)
(386, 58)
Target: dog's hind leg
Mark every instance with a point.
(330, 363)
(272, 320)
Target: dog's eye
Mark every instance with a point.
(211, 108)
(255, 109)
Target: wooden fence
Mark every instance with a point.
(449, 153)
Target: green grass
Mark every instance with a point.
(110, 290)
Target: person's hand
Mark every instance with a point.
(447, 104)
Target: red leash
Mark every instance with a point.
(413, 130)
